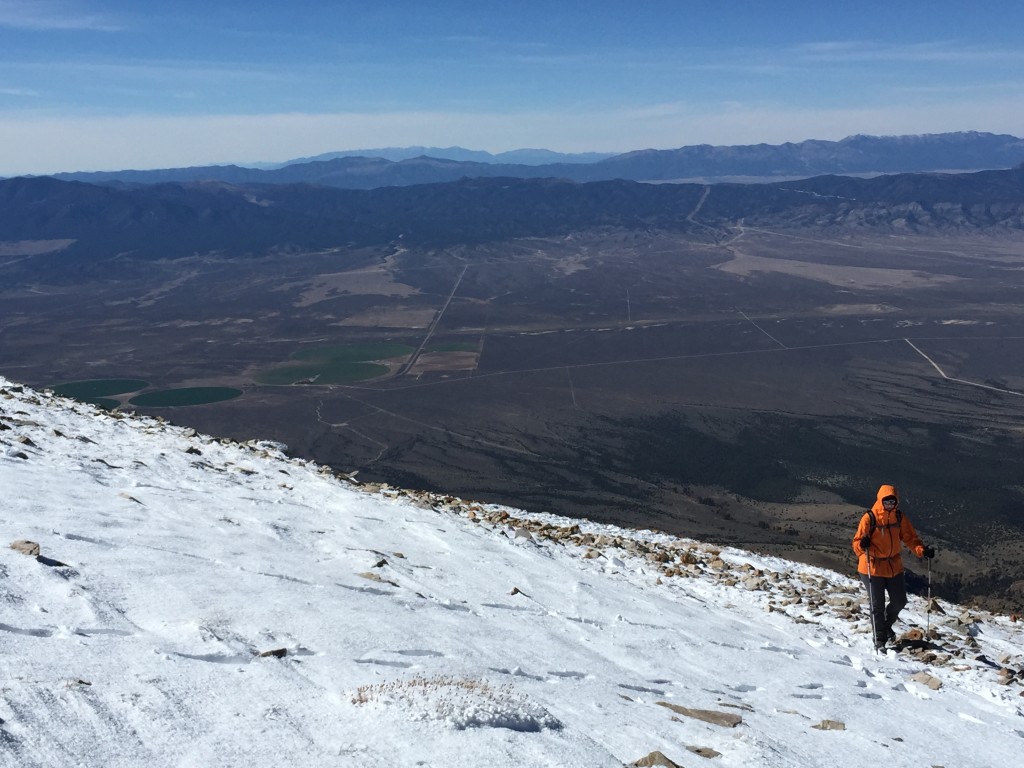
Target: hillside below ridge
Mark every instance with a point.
(95, 224)
(142, 488)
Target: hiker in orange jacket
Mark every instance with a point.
(882, 532)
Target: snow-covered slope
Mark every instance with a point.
(410, 629)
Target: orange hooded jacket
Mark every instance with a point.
(890, 532)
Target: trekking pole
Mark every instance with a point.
(928, 625)
(871, 601)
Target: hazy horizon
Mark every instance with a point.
(105, 85)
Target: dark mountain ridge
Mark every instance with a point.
(964, 151)
(175, 220)
(853, 155)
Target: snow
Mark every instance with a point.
(416, 629)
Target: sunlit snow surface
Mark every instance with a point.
(404, 643)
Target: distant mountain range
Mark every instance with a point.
(515, 156)
(856, 155)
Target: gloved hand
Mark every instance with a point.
(929, 552)
(865, 543)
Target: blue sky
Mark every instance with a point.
(106, 84)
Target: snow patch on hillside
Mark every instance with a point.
(203, 602)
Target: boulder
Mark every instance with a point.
(655, 758)
(925, 679)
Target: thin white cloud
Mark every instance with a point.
(106, 71)
(936, 51)
(54, 15)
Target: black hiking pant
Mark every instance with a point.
(884, 616)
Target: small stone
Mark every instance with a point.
(655, 759)
(830, 725)
(277, 653)
(707, 752)
(841, 602)
(26, 547)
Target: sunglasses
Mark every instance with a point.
(888, 502)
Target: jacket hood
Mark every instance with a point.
(887, 490)
(881, 514)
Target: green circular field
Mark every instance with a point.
(330, 372)
(174, 398)
(335, 364)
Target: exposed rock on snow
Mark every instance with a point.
(708, 716)
(830, 725)
(29, 548)
(925, 679)
(654, 759)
